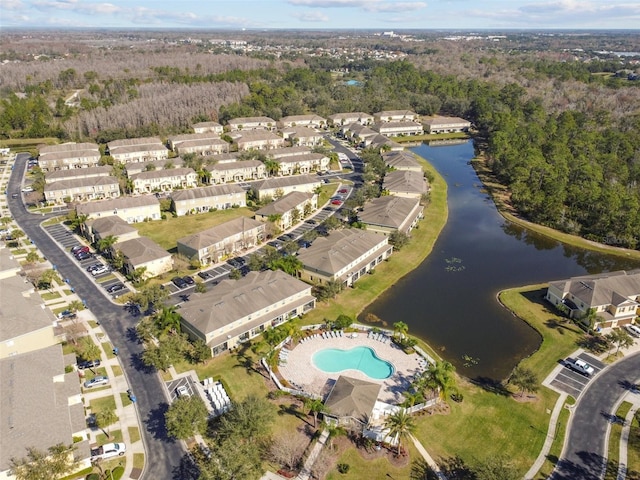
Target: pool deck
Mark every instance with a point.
(300, 371)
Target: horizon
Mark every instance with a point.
(277, 15)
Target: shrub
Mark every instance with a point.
(117, 472)
(343, 468)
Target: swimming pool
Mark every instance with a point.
(333, 360)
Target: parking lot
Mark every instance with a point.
(572, 382)
(108, 280)
(173, 385)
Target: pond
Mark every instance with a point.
(450, 300)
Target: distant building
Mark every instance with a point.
(438, 124)
(59, 175)
(289, 209)
(204, 127)
(176, 140)
(164, 180)
(164, 164)
(389, 214)
(344, 256)
(340, 119)
(225, 172)
(302, 164)
(137, 150)
(357, 133)
(252, 123)
(96, 229)
(82, 189)
(312, 121)
(351, 402)
(398, 128)
(302, 136)
(396, 116)
(257, 140)
(201, 200)
(68, 156)
(236, 311)
(280, 186)
(130, 209)
(224, 240)
(405, 183)
(202, 147)
(401, 161)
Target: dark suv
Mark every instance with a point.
(179, 282)
(88, 364)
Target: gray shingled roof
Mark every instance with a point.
(35, 412)
(141, 250)
(205, 142)
(246, 120)
(400, 159)
(611, 288)
(253, 136)
(187, 137)
(342, 247)
(395, 113)
(127, 142)
(388, 211)
(80, 183)
(289, 151)
(351, 397)
(68, 147)
(116, 203)
(206, 192)
(53, 156)
(232, 300)
(163, 173)
(405, 181)
(58, 175)
(221, 167)
(284, 204)
(281, 182)
(147, 147)
(302, 118)
(218, 233)
(305, 157)
(111, 225)
(137, 167)
(439, 120)
(21, 309)
(206, 125)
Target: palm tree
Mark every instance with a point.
(292, 327)
(439, 377)
(104, 418)
(400, 425)
(75, 306)
(315, 407)
(524, 379)
(272, 167)
(105, 244)
(400, 329)
(168, 319)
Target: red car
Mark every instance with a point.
(342, 190)
(336, 202)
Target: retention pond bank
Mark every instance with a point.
(450, 302)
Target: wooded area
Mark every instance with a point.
(559, 127)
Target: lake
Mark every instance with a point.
(450, 300)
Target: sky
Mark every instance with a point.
(386, 15)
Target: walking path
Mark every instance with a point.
(427, 458)
(305, 473)
(624, 439)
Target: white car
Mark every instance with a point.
(183, 391)
(580, 366)
(27, 190)
(108, 450)
(98, 381)
(100, 270)
(633, 330)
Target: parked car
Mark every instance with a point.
(83, 256)
(79, 248)
(108, 450)
(27, 190)
(205, 275)
(94, 266)
(580, 366)
(179, 282)
(343, 190)
(115, 288)
(633, 330)
(336, 202)
(100, 270)
(66, 314)
(182, 391)
(98, 381)
(311, 221)
(14, 195)
(88, 364)
(188, 280)
(236, 262)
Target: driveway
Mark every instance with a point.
(585, 451)
(573, 383)
(163, 455)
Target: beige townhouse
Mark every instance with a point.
(256, 140)
(222, 241)
(398, 129)
(396, 116)
(142, 252)
(165, 164)
(165, 180)
(59, 175)
(405, 183)
(344, 256)
(68, 156)
(340, 119)
(210, 146)
(289, 210)
(388, 214)
(312, 121)
(238, 310)
(401, 161)
(205, 199)
(302, 136)
(96, 229)
(204, 127)
(252, 123)
(279, 186)
(137, 150)
(440, 124)
(239, 171)
(302, 164)
(130, 209)
(81, 189)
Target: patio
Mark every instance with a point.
(298, 369)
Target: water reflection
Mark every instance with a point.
(450, 299)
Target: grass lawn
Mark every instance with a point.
(50, 296)
(353, 300)
(117, 371)
(108, 349)
(138, 460)
(377, 469)
(633, 450)
(134, 434)
(236, 372)
(92, 323)
(613, 455)
(102, 403)
(124, 398)
(167, 232)
(114, 436)
(558, 443)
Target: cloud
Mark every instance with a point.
(312, 17)
(6, 5)
(366, 5)
(77, 7)
(394, 7)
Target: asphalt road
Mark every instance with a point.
(584, 455)
(164, 456)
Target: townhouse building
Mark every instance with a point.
(205, 199)
(302, 136)
(302, 164)
(59, 175)
(96, 229)
(440, 124)
(68, 156)
(405, 183)
(402, 160)
(256, 140)
(312, 121)
(398, 129)
(130, 209)
(224, 240)
(279, 186)
(388, 214)
(288, 210)
(340, 119)
(396, 116)
(252, 123)
(82, 189)
(237, 171)
(142, 252)
(165, 180)
(204, 127)
(137, 150)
